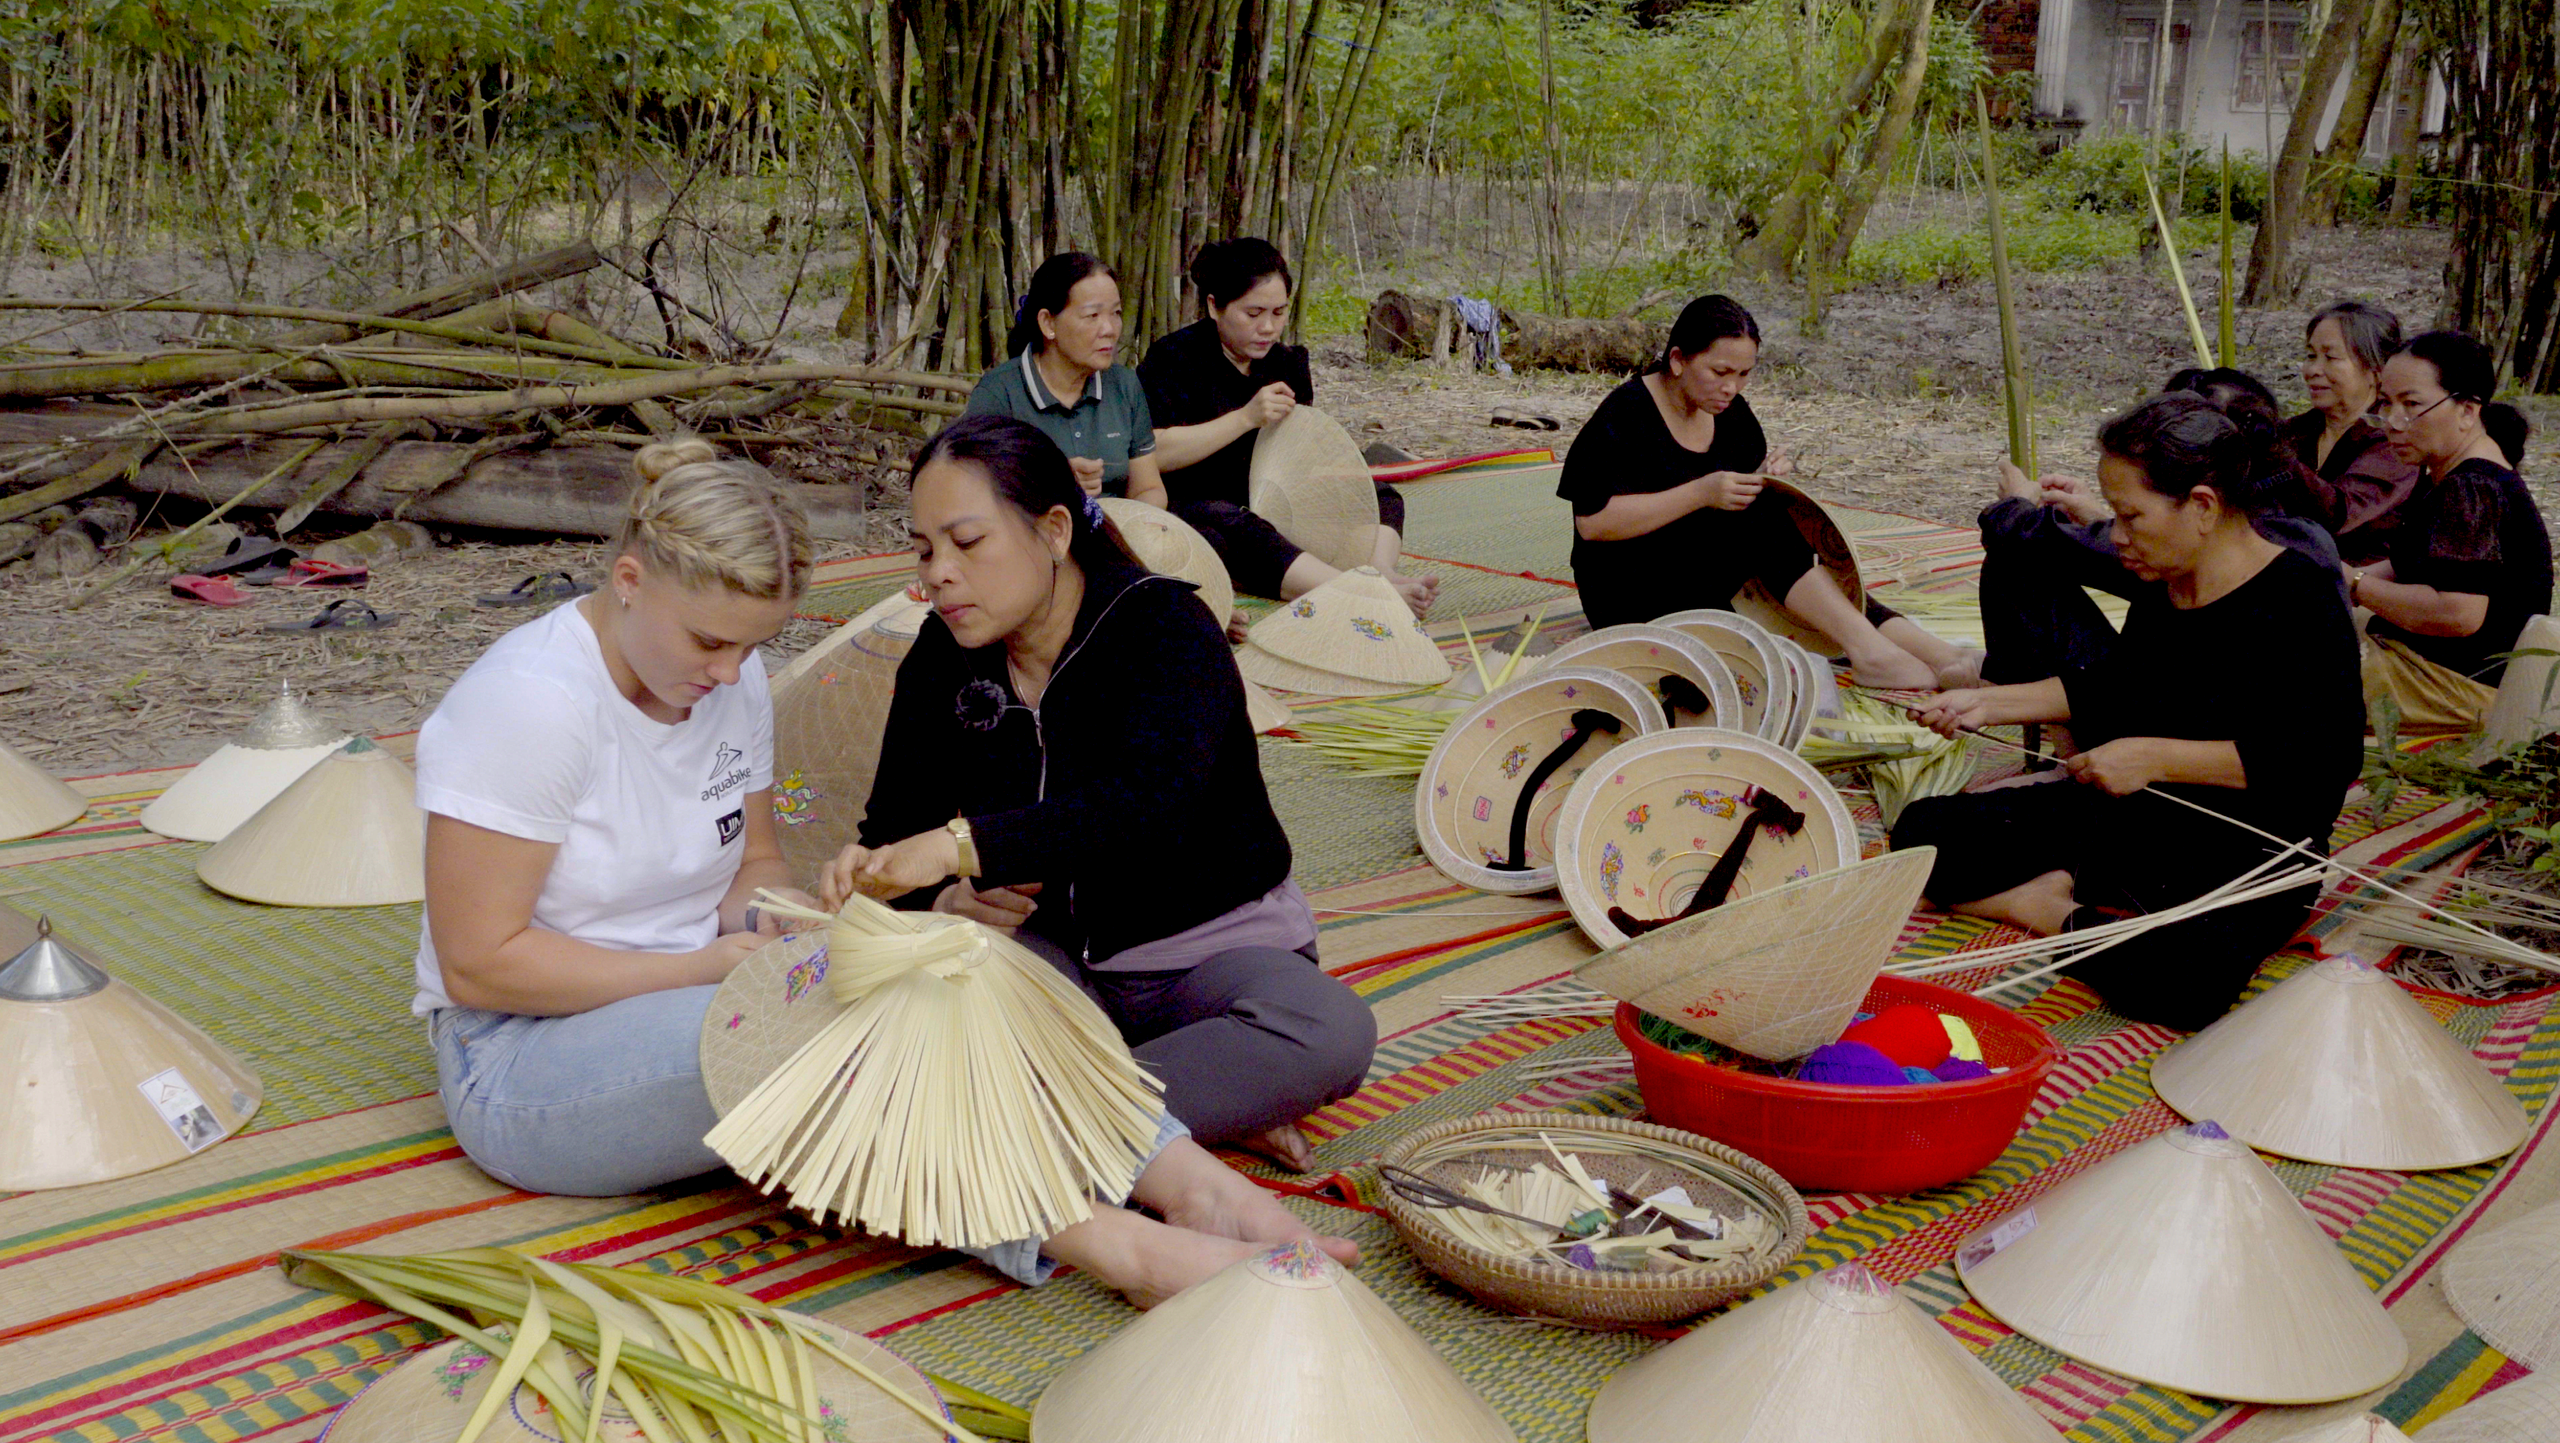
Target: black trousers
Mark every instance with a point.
(2129, 855)
(1255, 553)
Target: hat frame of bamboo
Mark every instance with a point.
(1778, 973)
(347, 833)
(2526, 1410)
(1354, 626)
(34, 801)
(2504, 1283)
(1649, 653)
(115, 1084)
(1760, 673)
(2291, 1072)
(2183, 1263)
(1831, 551)
(830, 711)
(1298, 1349)
(1678, 764)
(1309, 480)
(1839, 1355)
(285, 740)
(1170, 546)
(1497, 735)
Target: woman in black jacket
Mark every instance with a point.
(1068, 755)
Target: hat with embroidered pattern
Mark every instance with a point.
(1683, 673)
(1485, 805)
(830, 708)
(1352, 636)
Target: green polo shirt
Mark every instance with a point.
(1107, 423)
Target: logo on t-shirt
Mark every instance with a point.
(726, 775)
(733, 826)
(726, 758)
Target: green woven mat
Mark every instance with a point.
(314, 999)
(845, 600)
(1512, 521)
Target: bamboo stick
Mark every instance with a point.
(2013, 365)
(2177, 272)
(2227, 304)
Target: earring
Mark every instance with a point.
(626, 599)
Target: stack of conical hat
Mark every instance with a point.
(1778, 973)
(1651, 654)
(1831, 552)
(1309, 480)
(830, 708)
(1352, 636)
(103, 1082)
(1469, 793)
(2524, 1411)
(1760, 673)
(1815, 692)
(1284, 1347)
(1169, 546)
(347, 833)
(1837, 1358)
(2360, 1428)
(2505, 1283)
(2337, 1065)
(2528, 702)
(246, 772)
(2182, 1262)
(33, 801)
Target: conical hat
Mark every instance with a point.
(1816, 692)
(2337, 1065)
(1268, 713)
(2505, 1283)
(105, 1082)
(431, 1397)
(247, 772)
(1354, 625)
(1642, 833)
(2524, 1411)
(1169, 546)
(1284, 1347)
(1470, 784)
(2184, 1263)
(830, 706)
(1649, 653)
(1778, 973)
(1831, 551)
(1310, 482)
(347, 833)
(1840, 1357)
(1760, 673)
(2528, 701)
(33, 801)
(2361, 1428)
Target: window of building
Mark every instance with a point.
(2256, 35)
(2137, 51)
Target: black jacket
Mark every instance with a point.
(1133, 795)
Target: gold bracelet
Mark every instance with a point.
(958, 827)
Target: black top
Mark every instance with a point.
(2357, 493)
(1627, 449)
(1190, 380)
(2271, 668)
(1133, 795)
(2478, 532)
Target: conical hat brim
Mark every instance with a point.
(2361, 1428)
(1760, 673)
(2505, 1283)
(1778, 973)
(1263, 669)
(1470, 784)
(77, 1110)
(228, 788)
(1309, 480)
(1354, 625)
(2524, 1411)
(2528, 702)
(347, 833)
(1169, 546)
(1811, 1363)
(431, 1397)
(830, 709)
(1242, 1358)
(2337, 1065)
(1266, 712)
(1643, 832)
(2182, 1262)
(1831, 551)
(33, 801)
(1649, 653)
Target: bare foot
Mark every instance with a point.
(1237, 626)
(1194, 1190)
(1418, 591)
(1963, 670)
(1283, 1145)
(1890, 668)
(1144, 1260)
(2042, 905)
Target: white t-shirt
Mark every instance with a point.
(536, 741)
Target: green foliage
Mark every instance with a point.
(2040, 239)
(2104, 173)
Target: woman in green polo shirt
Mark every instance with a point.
(1061, 378)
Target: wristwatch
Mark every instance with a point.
(2355, 584)
(958, 827)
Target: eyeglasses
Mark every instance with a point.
(2384, 416)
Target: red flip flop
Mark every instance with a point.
(308, 574)
(211, 590)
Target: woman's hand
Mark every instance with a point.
(2120, 768)
(890, 871)
(713, 964)
(1781, 463)
(2076, 497)
(2015, 484)
(1003, 908)
(1270, 405)
(764, 922)
(1950, 712)
(1730, 490)
(1088, 473)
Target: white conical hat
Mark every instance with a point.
(1831, 552)
(1169, 546)
(105, 1082)
(1651, 653)
(1760, 673)
(1464, 801)
(1268, 713)
(2505, 1283)
(247, 772)
(1816, 692)
(2524, 1411)
(348, 833)
(1778, 973)
(2182, 1262)
(2360, 1428)
(1309, 480)
(2528, 702)
(830, 707)
(1284, 1347)
(1837, 1358)
(1643, 832)
(1352, 626)
(2337, 1065)
(33, 801)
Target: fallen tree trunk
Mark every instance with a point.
(454, 295)
(1403, 326)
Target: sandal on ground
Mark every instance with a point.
(310, 574)
(534, 590)
(248, 554)
(344, 614)
(210, 590)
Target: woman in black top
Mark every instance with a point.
(1211, 387)
(1669, 507)
(2470, 562)
(1084, 716)
(2357, 482)
(2234, 685)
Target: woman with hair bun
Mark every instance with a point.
(2470, 561)
(1064, 343)
(2234, 685)
(1211, 388)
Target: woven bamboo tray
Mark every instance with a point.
(1714, 1175)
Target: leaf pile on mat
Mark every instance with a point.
(688, 1360)
(1372, 739)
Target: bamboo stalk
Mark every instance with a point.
(2013, 364)
(2227, 306)
(2178, 272)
